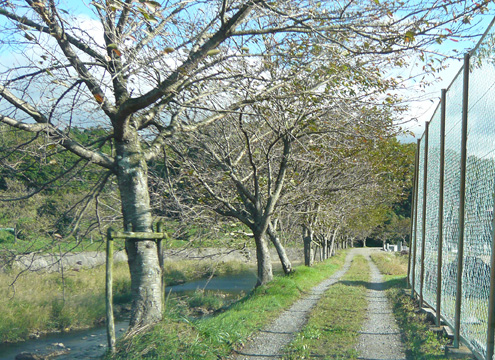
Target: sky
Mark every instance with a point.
(420, 112)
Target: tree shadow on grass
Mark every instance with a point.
(399, 283)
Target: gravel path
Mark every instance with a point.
(380, 337)
(271, 340)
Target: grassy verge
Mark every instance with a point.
(177, 272)
(419, 341)
(332, 329)
(178, 337)
(39, 303)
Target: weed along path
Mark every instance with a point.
(269, 342)
(379, 337)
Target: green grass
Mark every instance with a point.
(36, 303)
(46, 244)
(333, 326)
(419, 341)
(179, 236)
(178, 337)
(177, 272)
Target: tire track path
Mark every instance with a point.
(270, 341)
(379, 337)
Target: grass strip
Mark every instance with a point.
(419, 341)
(333, 327)
(39, 303)
(178, 337)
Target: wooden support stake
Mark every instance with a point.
(137, 236)
(109, 292)
(159, 230)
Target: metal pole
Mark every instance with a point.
(109, 293)
(440, 205)
(462, 199)
(159, 229)
(423, 232)
(413, 268)
(490, 333)
(413, 212)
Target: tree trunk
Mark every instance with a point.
(307, 238)
(265, 273)
(284, 260)
(143, 262)
(334, 236)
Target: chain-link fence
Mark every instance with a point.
(452, 232)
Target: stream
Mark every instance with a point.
(91, 343)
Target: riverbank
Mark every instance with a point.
(76, 261)
(191, 300)
(217, 336)
(40, 303)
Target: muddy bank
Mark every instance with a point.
(52, 263)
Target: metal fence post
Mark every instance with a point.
(440, 206)
(423, 230)
(490, 332)
(109, 292)
(413, 267)
(462, 199)
(413, 213)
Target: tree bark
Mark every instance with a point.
(308, 250)
(334, 236)
(142, 255)
(265, 273)
(284, 260)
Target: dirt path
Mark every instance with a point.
(380, 337)
(270, 341)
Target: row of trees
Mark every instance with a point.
(265, 110)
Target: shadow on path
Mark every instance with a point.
(379, 337)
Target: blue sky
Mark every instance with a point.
(423, 111)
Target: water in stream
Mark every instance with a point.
(91, 343)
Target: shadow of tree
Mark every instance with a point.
(383, 286)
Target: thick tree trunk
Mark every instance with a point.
(282, 255)
(265, 273)
(143, 262)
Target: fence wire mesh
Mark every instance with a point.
(453, 127)
(480, 172)
(479, 201)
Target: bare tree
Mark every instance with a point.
(147, 70)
